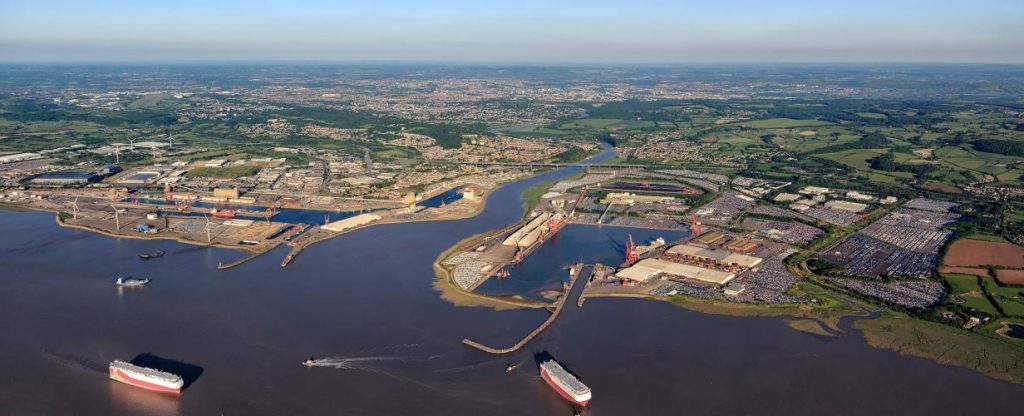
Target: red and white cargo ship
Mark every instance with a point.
(146, 378)
(566, 384)
(222, 213)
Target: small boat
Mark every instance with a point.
(153, 255)
(309, 361)
(131, 282)
(510, 368)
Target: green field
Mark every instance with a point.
(595, 126)
(223, 173)
(987, 237)
(976, 295)
(531, 196)
(783, 123)
(878, 116)
(1010, 299)
(962, 283)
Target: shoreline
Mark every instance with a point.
(450, 292)
(182, 240)
(296, 250)
(889, 330)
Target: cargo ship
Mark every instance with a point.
(146, 378)
(566, 384)
(222, 213)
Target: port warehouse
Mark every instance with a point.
(721, 258)
(694, 262)
(351, 222)
(646, 269)
(73, 177)
(531, 232)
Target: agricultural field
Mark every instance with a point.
(595, 126)
(1010, 277)
(981, 253)
(979, 292)
(1010, 299)
(968, 290)
(783, 123)
(931, 145)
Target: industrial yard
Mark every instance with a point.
(256, 223)
(713, 264)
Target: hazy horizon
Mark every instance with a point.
(525, 32)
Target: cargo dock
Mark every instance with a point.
(577, 270)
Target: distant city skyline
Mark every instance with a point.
(731, 31)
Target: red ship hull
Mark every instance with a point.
(224, 214)
(121, 376)
(554, 386)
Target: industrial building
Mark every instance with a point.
(65, 178)
(226, 193)
(784, 197)
(630, 198)
(19, 157)
(712, 256)
(814, 190)
(142, 176)
(528, 234)
(646, 269)
(847, 206)
(711, 238)
(351, 222)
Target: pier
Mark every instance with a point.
(578, 268)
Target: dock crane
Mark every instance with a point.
(583, 193)
(631, 253)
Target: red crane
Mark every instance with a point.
(579, 199)
(553, 224)
(631, 255)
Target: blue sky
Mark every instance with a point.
(515, 31)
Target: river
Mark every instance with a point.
(365, 302)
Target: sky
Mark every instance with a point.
(525, 31)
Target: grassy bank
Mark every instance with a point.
(993, 357)
(809, 326)
(531, 196)
(826, 316)
(13, 207)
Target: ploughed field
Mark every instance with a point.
(1010, 277)
(968, 253)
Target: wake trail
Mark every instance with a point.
(75, 363)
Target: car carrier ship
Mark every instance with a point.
(146, 378)
(566, 384)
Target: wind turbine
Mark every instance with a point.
(117, 152)
(117, 218)
(131, 143)
(208, 238)
(170, 141)
(74, 208)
